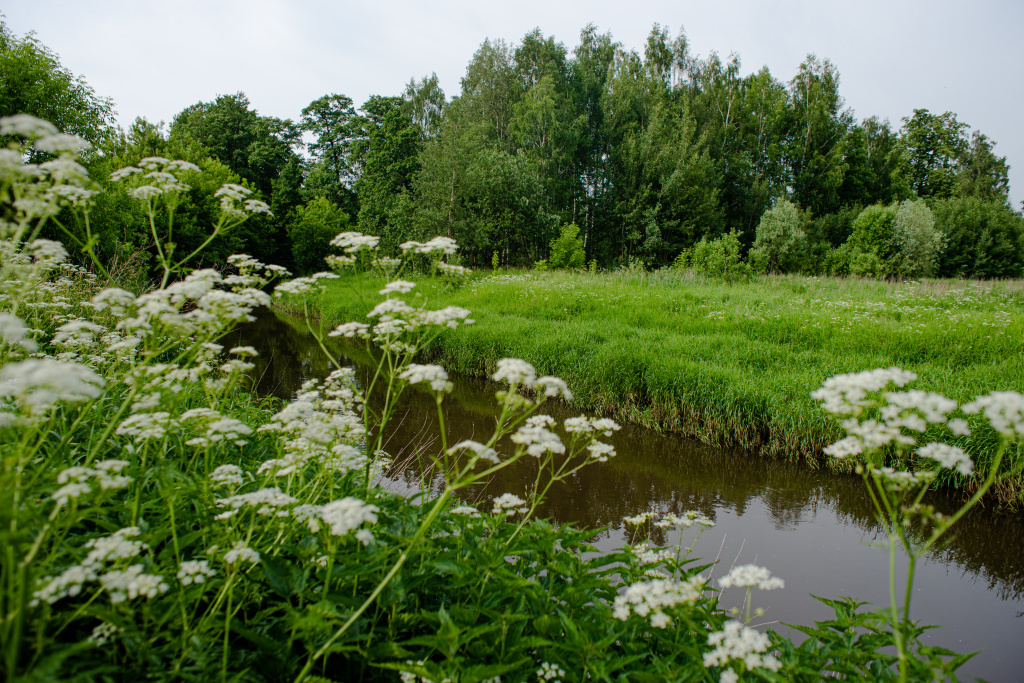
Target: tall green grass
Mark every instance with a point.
(727, 363)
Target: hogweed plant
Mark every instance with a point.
(158, 521)
(885, 425)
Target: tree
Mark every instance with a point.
(874, 250)
(934, 146)
(315, 225)
(253, 146)
(33, 81)
(817, 129)
(387, 180)
(124, 228)
(424, 104)
(983, 174)
(780, 240)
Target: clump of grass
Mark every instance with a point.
(730, 363)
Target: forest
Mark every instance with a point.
(651, 156)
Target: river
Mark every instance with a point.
(811, 528)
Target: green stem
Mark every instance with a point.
(420, 533)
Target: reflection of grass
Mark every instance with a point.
(725, 363)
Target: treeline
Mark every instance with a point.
(650, 154)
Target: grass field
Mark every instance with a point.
(726, 363)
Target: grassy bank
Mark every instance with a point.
(726, 363)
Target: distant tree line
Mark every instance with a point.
(647, 154)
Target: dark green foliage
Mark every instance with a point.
(311, 231)
(780, 242)
(33, 81)
(873, 242)
(567, 249)
(255, 147)
(391, 164)
(124, 227)
(985, 239)
(719, 257)
(935, 144)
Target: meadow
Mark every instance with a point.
(728, 363)
(158, 522)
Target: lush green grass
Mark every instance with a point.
(727, 363)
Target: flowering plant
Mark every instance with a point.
(156, 519)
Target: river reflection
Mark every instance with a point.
(813, 529)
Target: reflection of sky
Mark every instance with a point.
(809, 528)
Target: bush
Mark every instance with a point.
(567, 249)
(779, 241)
(984, 239)
(918, 240)
(315, 226)
(874, 250)
(718, 258)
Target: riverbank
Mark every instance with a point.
(727, 363)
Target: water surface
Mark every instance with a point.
(813, 529)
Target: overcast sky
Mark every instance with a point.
(894, 56)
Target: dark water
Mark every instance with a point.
(813, 529)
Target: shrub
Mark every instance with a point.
(874, 250)
(718, 258)
(315, 226)
(779, 241)
(918, 240)
(567, 249)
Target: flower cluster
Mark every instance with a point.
(194, 571)
(126, 584)
(739, 643)
(653, 597)
(751, 576)
(434, 375)
(507, 504)
(77, 481)
(320, 426)
(440, 245)
(352, 242)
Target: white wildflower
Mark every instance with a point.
(744, 644)
(434, 375)
(227, 475)
(38, 384)
(653, 597)
(1004, 410)
(948, 456)
(538, 440)
(346, 514)
(507, 504)
(550, 672)
(481, 451)
(241, 553)
(553, 387)
(350, 330)
(131, 583)
(751, 576)
(15, 333)
(194, 571)
(515, 372)
(146, 426)
(400, 286)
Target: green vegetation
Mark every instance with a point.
(157, 522)
(728, 363)
(648, 153)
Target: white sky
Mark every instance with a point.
(156, 58)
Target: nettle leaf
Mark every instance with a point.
(284, 578)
